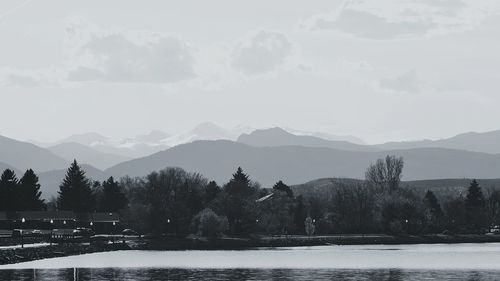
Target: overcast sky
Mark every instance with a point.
(379, 70)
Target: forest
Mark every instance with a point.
(179, 203)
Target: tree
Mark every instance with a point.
(113, 199)
(208, 223)
(299, 214)
(493, 206)
(75, 192)
(434, 213)
(385, 173)
(455, 215)
(173, 197)
(30, 194)
(211, 192)
(239, 204)
(239, 184)
(276, 213)
(475, 207)
(283, 187)
(309, 225)
(9, 199)
(352, 205)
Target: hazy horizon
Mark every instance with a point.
(63, 138)
(391, 71)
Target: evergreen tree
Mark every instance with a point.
(75, 192)
(283, 187)
(9, 199)
(240, 203)
(30, 192)
(240, 183)
(241, 177)
(475, 207)
(434, 211)
(211, 192)
(113, 199)
(432, 204)
(300, 214)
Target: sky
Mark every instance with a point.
(379, 70)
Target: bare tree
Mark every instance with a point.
(385, 173)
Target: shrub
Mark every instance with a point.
(208, 223)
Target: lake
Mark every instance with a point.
(367, 262)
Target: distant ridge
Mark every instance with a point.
(86, 155)
(280, 137)
(297, 164)
(487, 142)
(24, 155)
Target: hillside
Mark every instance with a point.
(23, 155)
(440, 187)
(4, 166)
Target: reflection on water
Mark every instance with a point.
(243, 274)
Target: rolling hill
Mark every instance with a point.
(325, 187)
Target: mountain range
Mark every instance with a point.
(267, 155)
(24, 155)
(296, 164)
(488, 142)
(85, 154)
(280, 137)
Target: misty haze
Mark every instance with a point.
(249, 140)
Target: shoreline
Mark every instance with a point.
(200, 243)
(414, 257)
(18, 255)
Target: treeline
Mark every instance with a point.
(23, 194)
(175, 202)
(77, 193)
(379, 204)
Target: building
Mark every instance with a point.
(99, 222)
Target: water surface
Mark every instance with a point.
(368, 262)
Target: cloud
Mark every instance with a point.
(397, 19)
(367, 25)
(21, 80)
(114, 56)
(92, 53)
(28, 79)
(262, 53)
(406, 83)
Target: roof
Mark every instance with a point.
(47, 215)
(262, 199)
(104, 217)
(60, 215)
